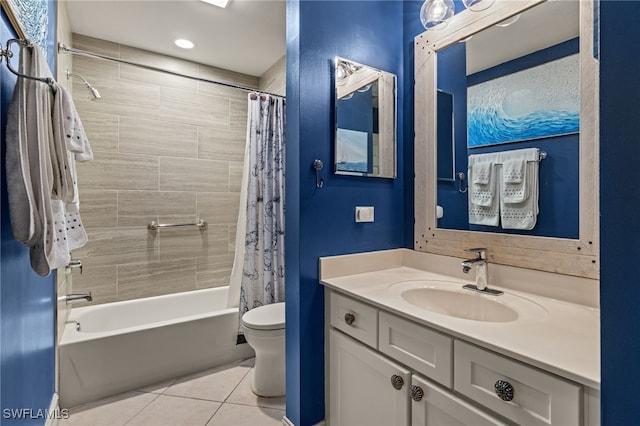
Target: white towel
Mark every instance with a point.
(484, 208)
(519, 200)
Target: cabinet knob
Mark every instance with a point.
(349, 318)
(504, 390)
(397, 382)
(416, 393)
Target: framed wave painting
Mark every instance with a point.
(539, 102)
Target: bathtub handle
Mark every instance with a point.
(75, 263)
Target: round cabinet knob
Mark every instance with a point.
(504, 390)
(416, 393)
(349, 318)
(397, 382)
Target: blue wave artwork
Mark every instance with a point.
(539, 102)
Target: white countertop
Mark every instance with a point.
(565, 340)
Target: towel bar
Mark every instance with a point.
(154, 226)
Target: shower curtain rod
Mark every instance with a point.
(72, 50)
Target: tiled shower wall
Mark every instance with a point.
(167, 149)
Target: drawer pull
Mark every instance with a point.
(416, 393)
(397, 382)
(349, 318)
(504, 390)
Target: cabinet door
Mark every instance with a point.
(433, 406)
(361, 389)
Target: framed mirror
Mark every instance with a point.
(365, 131)
(479, 55)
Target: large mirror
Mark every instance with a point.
(365, 131)
(518, 76)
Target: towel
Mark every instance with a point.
(484, 208)
(520, 188)
(23, 212)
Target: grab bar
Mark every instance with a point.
(154, 226)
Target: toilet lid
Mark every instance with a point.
(267, 317)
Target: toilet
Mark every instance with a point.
(264, 331)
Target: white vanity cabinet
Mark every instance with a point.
(388, 370)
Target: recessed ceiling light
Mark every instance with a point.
(183, 43)
(219, 3)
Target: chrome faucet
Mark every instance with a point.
(76, 296)
(480, 262)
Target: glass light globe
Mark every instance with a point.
(436, 14)
(477, 5)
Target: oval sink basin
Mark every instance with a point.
(450, 299)
(469, 306)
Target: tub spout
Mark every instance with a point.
(76, 296)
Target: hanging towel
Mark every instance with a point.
(23, 212)
(519, 200)
(484, 208)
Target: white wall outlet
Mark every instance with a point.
(364, 214)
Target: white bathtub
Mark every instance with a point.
(126, 345)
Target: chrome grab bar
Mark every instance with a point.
(154, 226)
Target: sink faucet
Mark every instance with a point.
(76, 296)
(480, 262)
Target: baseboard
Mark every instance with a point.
(287, 422)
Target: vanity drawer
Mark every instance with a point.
(356, 319)
(426, 351)
(538, 398)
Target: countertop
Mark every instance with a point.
(564, 340)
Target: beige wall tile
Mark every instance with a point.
(196, 109)
(99, 280)
(92, 70)
(159, 61)
(156, 137)
(274, 79)
(220, 144)
(219, 207)
(62, 288)
(226, 76)
(213, 271)
(102, 131)
(232, 238)
(138, 208)
(235, 176)
(186, 243)
(119, 171)
(119, 97)
(238, 115)
(98, 208)
(96, 45)
(181, 174)
(156, 278)
(111, 246)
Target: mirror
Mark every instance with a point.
(479, 55)
(365, 131)
(517, 88)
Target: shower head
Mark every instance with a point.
(94, 92)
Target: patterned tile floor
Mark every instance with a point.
(216, 397)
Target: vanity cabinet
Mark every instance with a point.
(410, 374)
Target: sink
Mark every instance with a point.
(450, 299)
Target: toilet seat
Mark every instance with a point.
(267, 317)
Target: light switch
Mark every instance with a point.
(364, 214)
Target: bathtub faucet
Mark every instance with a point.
(76, 296)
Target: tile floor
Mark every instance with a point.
(220, 396)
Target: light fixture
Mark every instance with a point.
(508, 21)
(436, 14)
(477, 5)
(184, 43)
(219, 3)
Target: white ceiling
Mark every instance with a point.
(248, 36)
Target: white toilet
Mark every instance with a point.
(264, 331)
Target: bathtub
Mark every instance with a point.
(116, 347)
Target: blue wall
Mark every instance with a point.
(26, 300)
(320, 222)
(619, 199)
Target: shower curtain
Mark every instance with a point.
(259, 260)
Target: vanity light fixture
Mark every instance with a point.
(477, 5)
(436, 14)
(219, 3)
(184, 43)
(508, 21)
